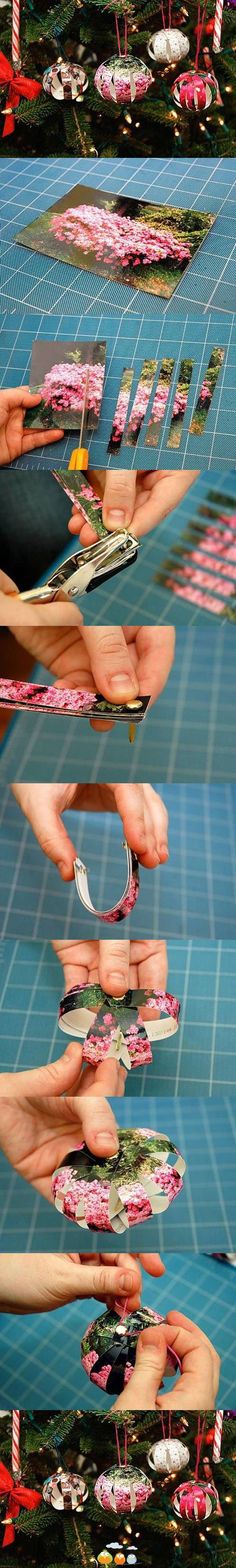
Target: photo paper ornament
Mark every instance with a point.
(124, 904)
(168, 1455)
(122, 1489)
(114, 1026)
(123, 79)
(112, 1194)
(194, 90)
(168, 46)
(194, 1500)
(108, 1350)
(65, 1491)
(65, 81)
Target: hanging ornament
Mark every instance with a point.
(168, 46)
(11, 1488)
(123, 79)
(65, 81)
(66, 1491)
(195, 89)
(17, 85)
(217, 1440)
(218, 18)
(123, 1488)
(108, 1348)
(168, 1455)
(131, 1186)
(105, 1558)
(194, 1500)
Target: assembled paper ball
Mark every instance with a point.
(168, 46)
(65, 81)
(108, 1350)
(168, 1455)
(194, 1500)
(194, 90)
(65, 1490)
(123, 79)
(142, 1179)
(122, 1489)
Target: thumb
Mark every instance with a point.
(119, 499)
(58, 1078)
(141, 1391)
(42, 804)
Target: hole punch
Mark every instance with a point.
(125, 904)
(87, 569)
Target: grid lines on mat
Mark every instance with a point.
(201, 1219)
(129, 343)
(200, 1057)
(190, 728)
(194, 895)
(29, 187)
(40, 1359)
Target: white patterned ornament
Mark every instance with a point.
(65, 81)
(66, 1491)
(168, 1456)
(168, 46)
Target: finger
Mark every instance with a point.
(144, 818)
(140, 1394)
(114, 967)
(104, 1079)
(77, 525)
(57, 1078)
(40, 808)
(21, 396)
(152, 1263)
(119, 499)
(40, 438)
(164, 497)
(155, 648)
(196, 1388)
(111, 663)
(153, 967)
(99, 1127)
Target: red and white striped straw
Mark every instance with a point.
(216, 1451)
(15, 1452)
(15, 35)
(218, 18)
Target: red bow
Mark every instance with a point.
(18, 1496)
(18, 87)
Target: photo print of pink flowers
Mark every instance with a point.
(69, 378)
(201, 566)
(180, 403)
(141, 243)
(207, 388)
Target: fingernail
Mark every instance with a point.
(126, 1281)
(118, 982)
(124, 682)
(163, 851)
(109, 1140)
(117, 517)
(72, 1048)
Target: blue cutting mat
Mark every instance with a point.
(29, 187)
(190, 729)
(128, 343)
(40, 1355)
(201, 1055)
(201, 1219)
(194, 895)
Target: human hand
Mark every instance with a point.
(41, 1282)
(116, 966)
(119, 662)
(143, 815)
(36, 1134)
(132, 500)
(15, 440)
(18, 614)
(197, 1386)
(68, 1075)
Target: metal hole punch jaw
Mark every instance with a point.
(81, 882)
(86, 569)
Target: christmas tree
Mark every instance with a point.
(86, 34)
(86, 1444)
